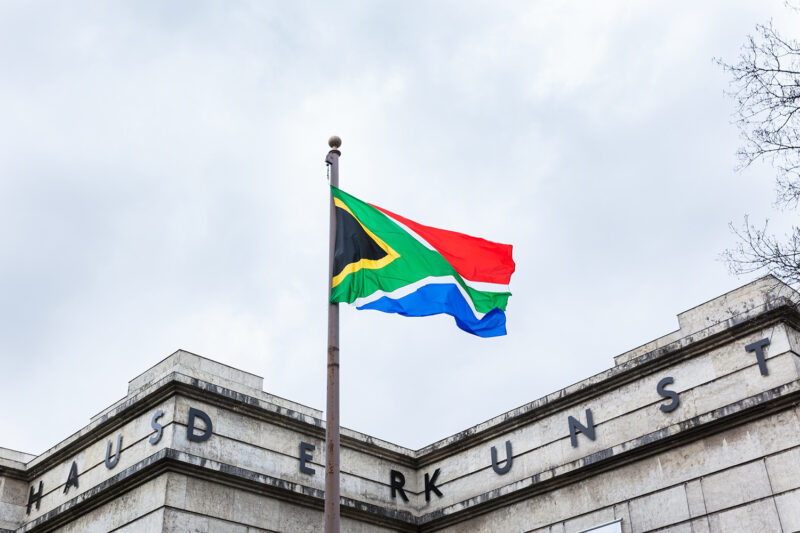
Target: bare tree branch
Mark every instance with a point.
(759, 251)
(765, 84)
(766, 88)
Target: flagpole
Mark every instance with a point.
(332, 411)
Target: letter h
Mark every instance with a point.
(35, 497)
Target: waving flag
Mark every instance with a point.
(389, 263)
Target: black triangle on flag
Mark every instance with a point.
(353, 244)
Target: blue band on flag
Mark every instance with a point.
(438, 298)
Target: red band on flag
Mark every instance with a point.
(475, 259)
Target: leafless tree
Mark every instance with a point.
(760, 251)
(765, 85)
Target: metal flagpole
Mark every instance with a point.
(332, 411)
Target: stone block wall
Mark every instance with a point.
(696, 431)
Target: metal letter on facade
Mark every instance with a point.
(430, 485)
(576, 427)
(668, 407)
(396, 482)
(190, 434)
(35, 497)
(111, 463)
(509, 459)
(305, 456)
(758, 347)
(72, 477)
(158, 427)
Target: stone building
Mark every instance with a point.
(696, 431)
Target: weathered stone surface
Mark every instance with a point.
(720, 313)
(757, 516)
(701, 525)
(784, 470)
(727, 459)
(622, 512)
(678, 528)
(153, 522)
(687, 464)
(713, 380)
(735, 486)
(659, 509)
(124, 510)
(788, 505)
(695, 499)
(13, 497)
(92, 469)
(586, 521)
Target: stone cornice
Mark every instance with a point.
(589, 388)
(170, 460)
(179, 384)
(781, 398)
(14, 473)
(608, 380)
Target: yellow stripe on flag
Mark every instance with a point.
(391, 255)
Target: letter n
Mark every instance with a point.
(576, 427)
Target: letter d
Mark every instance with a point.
(190, 434)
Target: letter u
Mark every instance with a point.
(112, 462)
(509, 459)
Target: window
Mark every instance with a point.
(611, 527)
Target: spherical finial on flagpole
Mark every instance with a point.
(335, 142)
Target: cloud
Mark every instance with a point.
(162, 186)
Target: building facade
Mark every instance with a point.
(697, 431)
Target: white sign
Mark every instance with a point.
(613, 527)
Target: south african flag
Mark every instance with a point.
(392, 264)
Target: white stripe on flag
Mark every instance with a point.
(411, 232)
(485, 286)
(408, 289)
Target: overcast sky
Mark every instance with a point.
(162, 186)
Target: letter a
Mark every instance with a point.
(72, 477)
